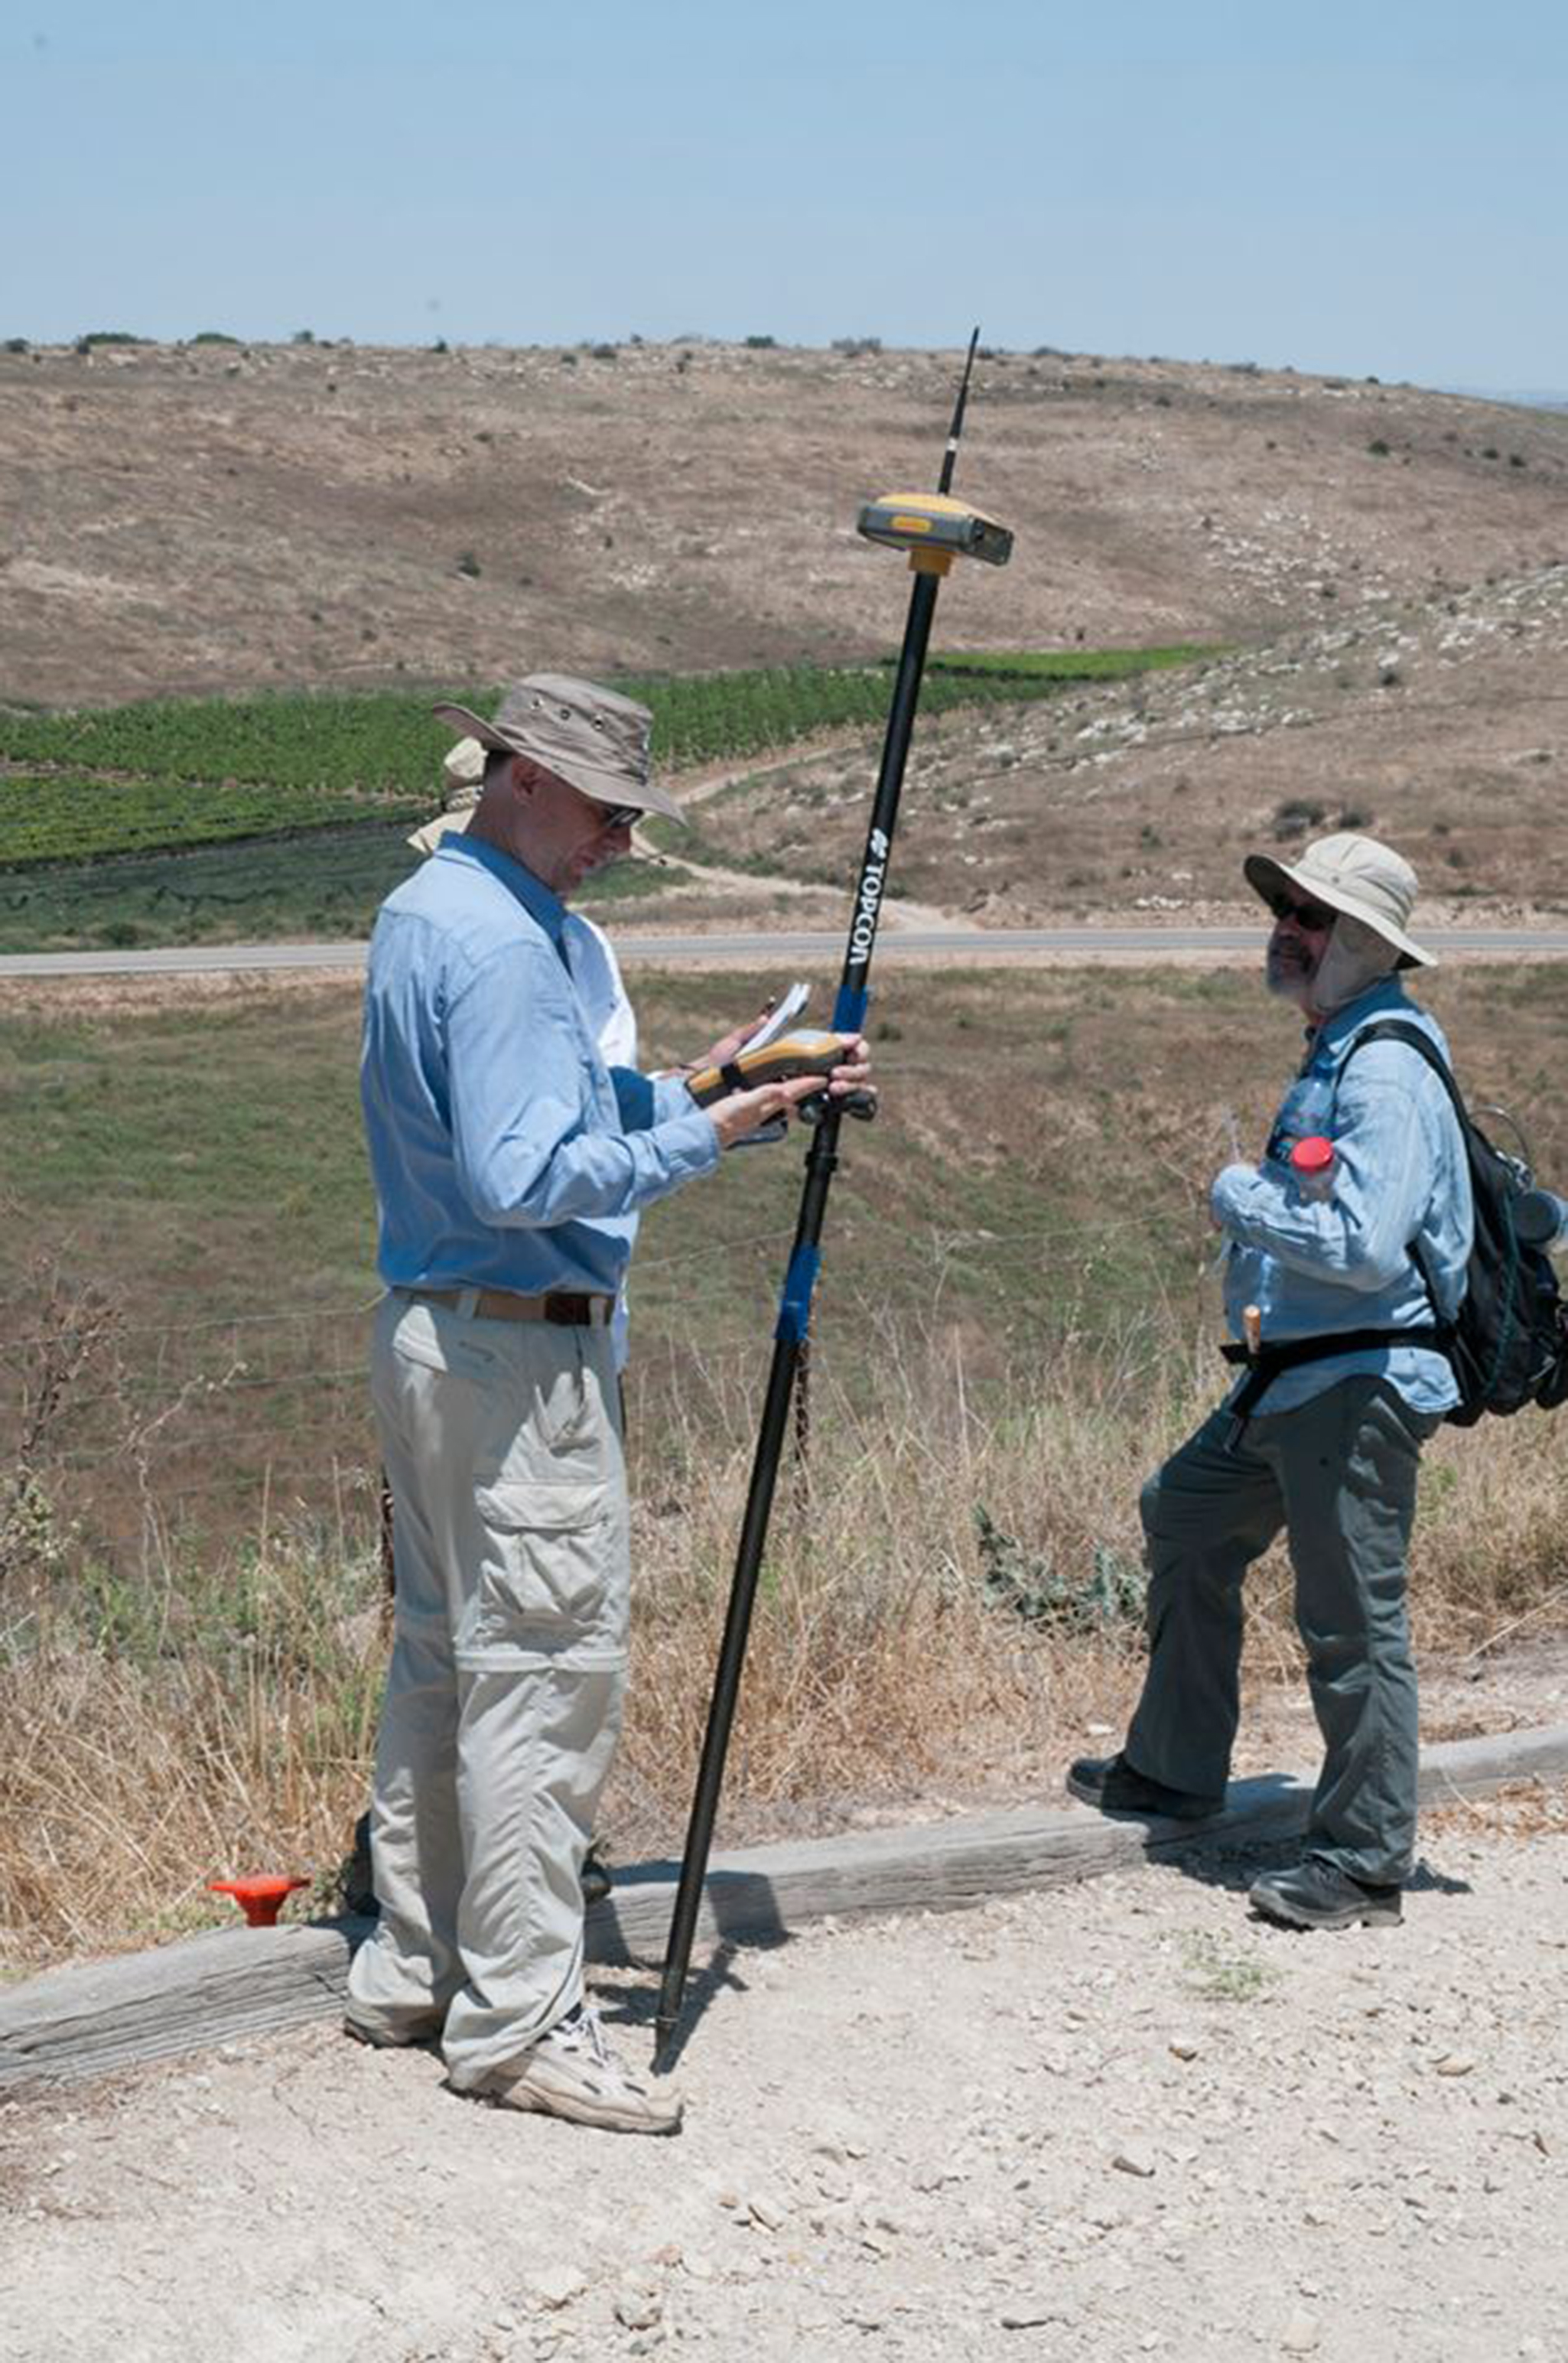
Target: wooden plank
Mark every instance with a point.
(89, 2019)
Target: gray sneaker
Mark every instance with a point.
(572, 2072)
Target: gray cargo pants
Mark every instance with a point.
(1338, 1474)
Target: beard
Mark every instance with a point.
(1289, 968)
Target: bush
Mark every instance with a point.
(761, 344)
(1298, 815)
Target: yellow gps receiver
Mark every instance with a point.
(935, 530)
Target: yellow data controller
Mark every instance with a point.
(810, 1052)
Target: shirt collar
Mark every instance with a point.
(1388, 994)
(535, 896)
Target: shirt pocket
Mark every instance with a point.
(547, 1588)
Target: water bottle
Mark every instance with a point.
(1308, 1113)
(1312, 1164)
(1540, 1218)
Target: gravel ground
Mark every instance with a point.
(1118, 2120)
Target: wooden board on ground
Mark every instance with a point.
(77, 2023)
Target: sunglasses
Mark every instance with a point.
(1312, 917)
(619, 815)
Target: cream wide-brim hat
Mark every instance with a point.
(463, 773)
(1356, 875)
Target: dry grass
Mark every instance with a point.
(190, 1721)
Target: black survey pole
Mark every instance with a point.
(795, 1306)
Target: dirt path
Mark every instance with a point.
(1103, 2123)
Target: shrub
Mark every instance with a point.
(762, 343)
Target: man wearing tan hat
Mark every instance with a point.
(590, 956)
(509, 1164)
(1348, 1247)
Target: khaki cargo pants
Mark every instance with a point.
(502, 1447)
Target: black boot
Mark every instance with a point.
(1319, 1895)
(1110, 1783)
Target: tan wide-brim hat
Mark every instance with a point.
(463, 771)
(1354, 874)
(593, 738)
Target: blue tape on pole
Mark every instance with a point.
(850, 1009)
(795, 1304)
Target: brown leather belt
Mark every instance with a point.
(563, 1308)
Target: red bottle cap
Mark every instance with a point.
(1313, 1154)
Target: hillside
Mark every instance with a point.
(1438, 721)
(215, 517)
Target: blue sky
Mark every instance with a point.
(1376, 189)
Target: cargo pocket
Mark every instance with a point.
(543, 1585)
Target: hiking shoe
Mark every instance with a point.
(418, 2030)
(1111, 1783)
(595, 1876)
(1319, 1895)
(572, 2072)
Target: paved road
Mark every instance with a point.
(981, 947)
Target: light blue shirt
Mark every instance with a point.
(1401, 1174)
(505, 1153)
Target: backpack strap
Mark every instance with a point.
(1399, 1029)
(1264, 1367)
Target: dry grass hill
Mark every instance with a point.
(215, 517)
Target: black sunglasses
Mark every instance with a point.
(621, 815)
(1313, 916)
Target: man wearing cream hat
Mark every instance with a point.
(510, 1163)
(1348, 1247)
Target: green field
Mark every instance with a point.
(168, 774)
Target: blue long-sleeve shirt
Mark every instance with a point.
(1344, 1262)
(505, 1153)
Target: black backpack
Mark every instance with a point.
(1509, 1341)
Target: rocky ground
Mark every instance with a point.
(1438, 722)
(216, 516)
(1114, 2121)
